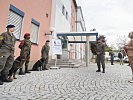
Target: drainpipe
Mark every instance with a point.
(76, 18)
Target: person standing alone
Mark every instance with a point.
(120, 56)
(112, 57)
(100, 50)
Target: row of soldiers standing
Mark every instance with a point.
(7, 48)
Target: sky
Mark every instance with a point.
(112, 18)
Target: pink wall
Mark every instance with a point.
(73, 28)
(73, 16)
(36, 9)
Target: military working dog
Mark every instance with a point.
(38, 65)
(15, 67)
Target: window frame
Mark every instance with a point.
(13, 9)
(63, 9)
(34, 22)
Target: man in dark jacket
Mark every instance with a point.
(120, 56)
(112, 57)
(45, 54)
(7, 43)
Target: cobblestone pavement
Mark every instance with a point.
(71, 84)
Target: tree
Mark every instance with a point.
(108, 49)
(121, 41)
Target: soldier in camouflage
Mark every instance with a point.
(7, 43)
(25, 47)
(100, 50)
(45, 54)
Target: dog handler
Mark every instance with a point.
(25, 47)
(7, 43)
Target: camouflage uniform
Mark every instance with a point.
(45, 55)
(25, 54)
(7, 43)
(100, 49)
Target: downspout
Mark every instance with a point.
(76, 31)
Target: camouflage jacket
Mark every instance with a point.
(7, 41)
(100, 48)
(45, 51)
(25, 47)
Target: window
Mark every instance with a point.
(63, 10)
(34, 31)
(15, 17)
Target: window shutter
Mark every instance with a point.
(16, 20)
(34, 33)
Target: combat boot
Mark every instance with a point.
(26, 70)
(6, 79)
(14, 77)
(98, 70)
(44, 67)
(1, 83)
(21, 71)
(103, 70)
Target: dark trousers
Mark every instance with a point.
(45, 62)
(112, 60)
(100, 61)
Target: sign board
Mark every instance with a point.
(56, 46)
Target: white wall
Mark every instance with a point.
(58, 19)
(61, 23)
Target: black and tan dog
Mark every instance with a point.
(15, 67)
(38, 65)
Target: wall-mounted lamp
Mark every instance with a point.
(48, 33)
(51, 31)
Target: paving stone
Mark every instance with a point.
(71, 84)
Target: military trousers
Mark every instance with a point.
(100, 61)
(25, 60)
(6, 61)
(45, 62)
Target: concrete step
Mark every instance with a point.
(59, 63)
(66, 63)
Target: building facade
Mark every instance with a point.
(43, 19)
(28, 16)
(80, 27)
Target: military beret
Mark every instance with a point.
(10, 26)
(27, 34)
(47, 41)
